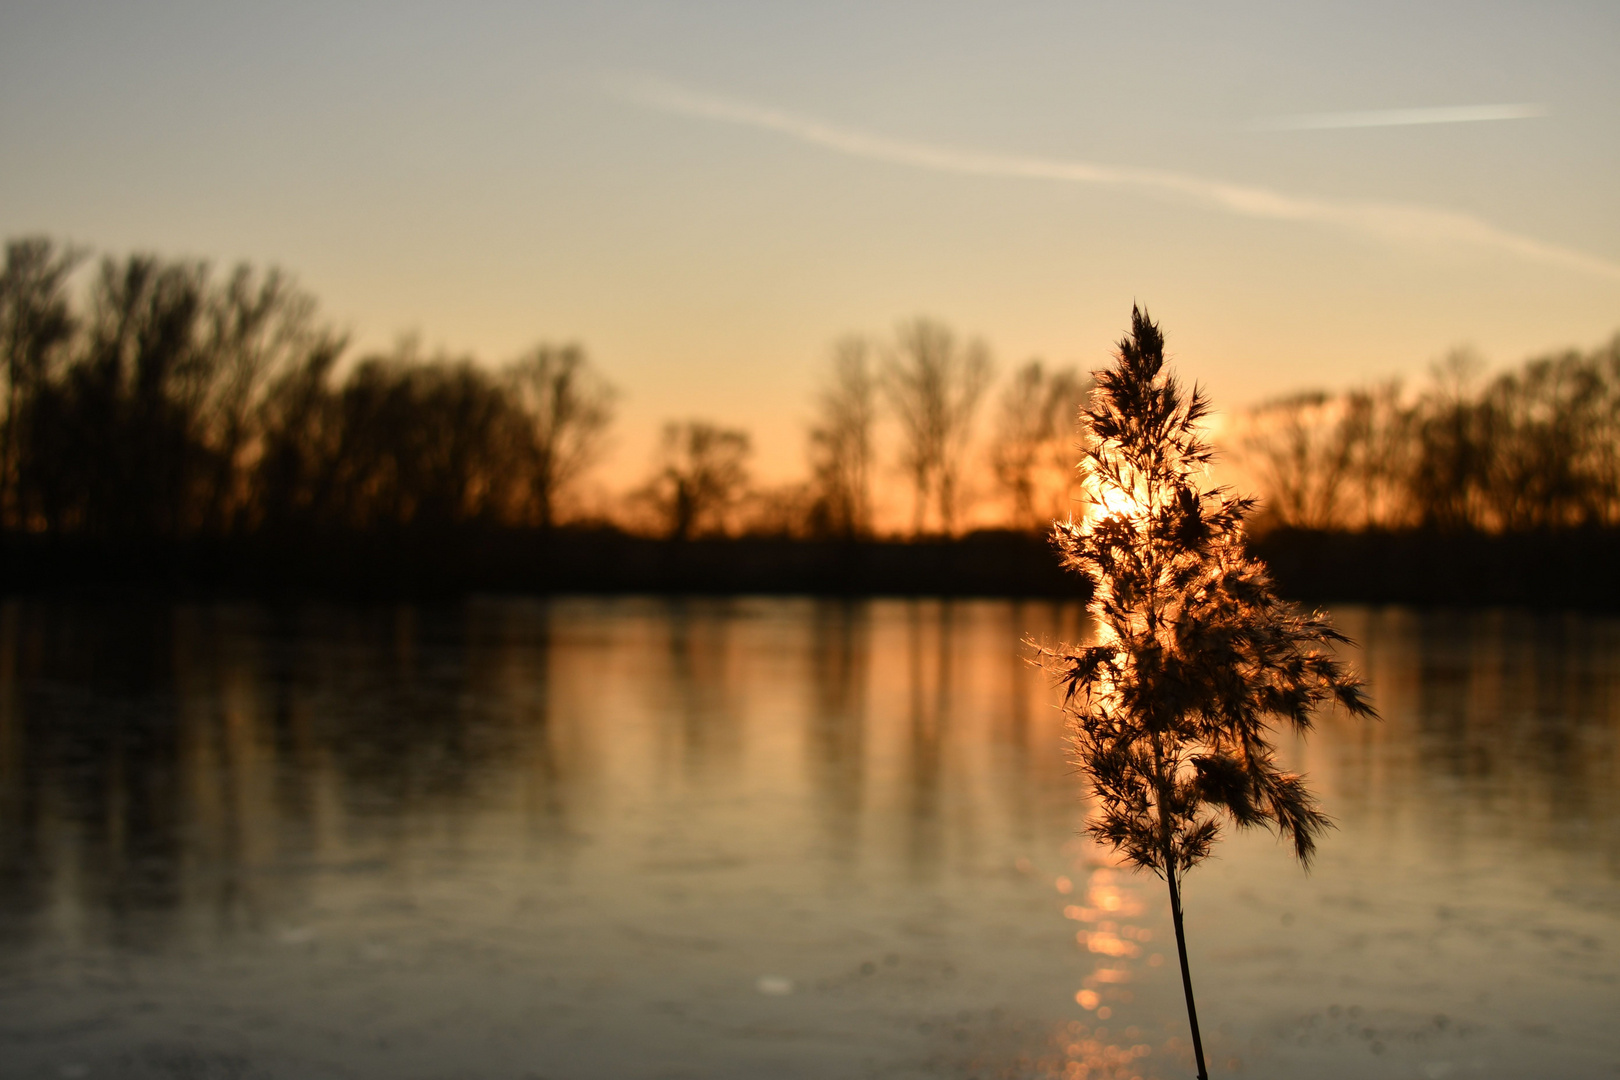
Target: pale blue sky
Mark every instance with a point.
(496, 177)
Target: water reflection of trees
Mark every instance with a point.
(92, 762)
(931, 704)
(1505, 723)
(980, 741)
(701, 683)
(1028, 724)
(158, 757)
(840, 669)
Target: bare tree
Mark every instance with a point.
(36, 322)
(425, 442)
(1302, 457)
(934, 383)
(1532, 449)
(1450, 431)
(302, 440)
(1373, 426)
(1548, 425)
(569, 407)
(257, 328)
(140, 391)
(841, 442)
(701, 475)
(1037, 440)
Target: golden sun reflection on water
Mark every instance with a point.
(1079, 1050)
(1112, 933)
(1113, 1037)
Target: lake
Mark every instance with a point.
(644, 838)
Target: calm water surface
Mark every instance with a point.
(766, 838)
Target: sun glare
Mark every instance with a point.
(1114, 502)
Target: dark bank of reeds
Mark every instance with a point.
(1571, 570)
(1575, 569)
(438, 563)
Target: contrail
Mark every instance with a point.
(1450, 114)
(1390, 221)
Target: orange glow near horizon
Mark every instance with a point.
(564, 173)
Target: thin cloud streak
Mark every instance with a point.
(1450, 114)
(1389, 221)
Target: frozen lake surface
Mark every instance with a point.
(634, 838)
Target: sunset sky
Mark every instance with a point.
(707, 194)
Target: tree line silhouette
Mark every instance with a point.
(171, 403)
(153, 405)
(164, 401)
(1536, 449)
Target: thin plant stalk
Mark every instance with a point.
(1186, 976)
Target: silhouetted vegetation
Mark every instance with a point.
(1472, 491)
(934, 383)
(1172, 707)
(1535, 449)
(1036, 444)
(164, 424)
(701, 477)
(430, 564)
(157, 412)
(841, 444)
(182, 406)
(1578, 568)
(568, 407)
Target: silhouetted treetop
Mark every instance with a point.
(934, 383)
(841, 443)
(1533, 449)
(144, 397)
(1037, 442)
(181, 404)
(36, 325)
(568, 407)
(701, 475)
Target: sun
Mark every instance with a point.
(1115, 502)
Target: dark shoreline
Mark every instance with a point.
(1565, 570)
(1568, 570)
(421, 564)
